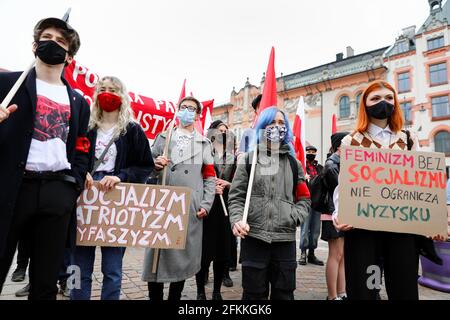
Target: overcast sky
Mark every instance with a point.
(153, 45)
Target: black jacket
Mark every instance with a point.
(15, 139)
(134, 161)
(331, 175)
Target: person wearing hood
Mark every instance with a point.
(190, 163)
(45, 156)
(278, 205)
(217, 235)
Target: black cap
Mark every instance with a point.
(60, 24)
(336, 139)
(216, 124)
(256, 101)
(309, 148)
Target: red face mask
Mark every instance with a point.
(109, 102)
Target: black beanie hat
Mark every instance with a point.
(336, 139)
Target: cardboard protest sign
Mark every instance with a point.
(134, 215)
(390, 190)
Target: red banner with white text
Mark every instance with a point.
(153, 115)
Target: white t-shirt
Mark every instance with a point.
(183, 141)
(51, 128)
(103, 138)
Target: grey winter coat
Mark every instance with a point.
(274, 214)
(192, 169)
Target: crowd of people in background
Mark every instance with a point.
(46, 165)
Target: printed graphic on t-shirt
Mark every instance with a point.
(52, 120)
(100, 148)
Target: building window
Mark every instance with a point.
(344, 107)
(404, 82)
(403, 47)
(440, 107)
(442, 142)
(438, 73)
(435, 43)
(358, 101)
(406, 108)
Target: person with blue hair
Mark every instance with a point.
(277, 207)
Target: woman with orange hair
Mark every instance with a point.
(379, 125)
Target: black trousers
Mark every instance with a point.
(268, 267)
(23, 253)
(398, 252)
(42, 214)
(218, 270)
(156, 291)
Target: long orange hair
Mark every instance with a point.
(396, 119)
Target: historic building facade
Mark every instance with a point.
(417, 64)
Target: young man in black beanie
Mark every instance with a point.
(45, 156)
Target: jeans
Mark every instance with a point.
(112, 257)
(84, 258)
(310, 231)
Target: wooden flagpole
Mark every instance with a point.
(164, 178)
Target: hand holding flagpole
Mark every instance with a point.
(269, 99)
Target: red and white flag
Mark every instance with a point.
(299, 132)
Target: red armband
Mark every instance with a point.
(82, 144)
(208, 171)
(302, 191)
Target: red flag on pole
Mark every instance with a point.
(299, 142)
(333, 124)
(183, 91)
(299, 132)
(269, 96)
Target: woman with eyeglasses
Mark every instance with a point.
(120, 153)
(190, 164)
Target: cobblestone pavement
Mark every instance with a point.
(311, 283)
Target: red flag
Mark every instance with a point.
(183, 91)
(299, 142)
(269, 96)
(333, 124)
(299, 132)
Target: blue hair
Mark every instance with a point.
(266, 118)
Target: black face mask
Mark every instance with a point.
(311, 157)
(382, 110)
(50, 52)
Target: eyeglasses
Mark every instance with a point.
(190, 108)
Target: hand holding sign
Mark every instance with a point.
(108, 183)
(341, 227)
(6, 112)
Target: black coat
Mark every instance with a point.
(217, 234)
(134, 161)
(331, 175)
(15, 139)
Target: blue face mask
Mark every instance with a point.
(186, 117)
(276, 134)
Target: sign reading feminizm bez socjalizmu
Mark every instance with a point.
(134, 215)
(390, 190)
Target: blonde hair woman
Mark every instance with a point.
(121, 154)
